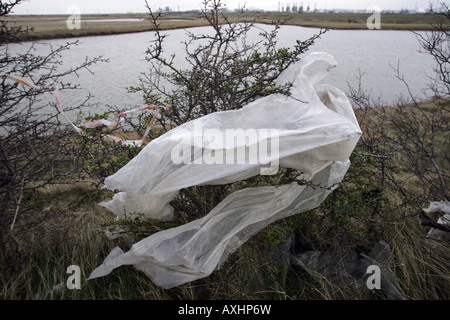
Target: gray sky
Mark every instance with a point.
(124, 6)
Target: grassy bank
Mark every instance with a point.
(51, 27)
(351, 20)
(250, 273)
(69, 229)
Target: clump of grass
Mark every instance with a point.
(421, 267)
(421, 264)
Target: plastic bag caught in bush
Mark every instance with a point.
(306, 131)
(314, 131)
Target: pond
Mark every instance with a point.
(374, 53)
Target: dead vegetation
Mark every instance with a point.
(55, 26)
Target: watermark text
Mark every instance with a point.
(230, 146)
(374, 21)
(74, 20)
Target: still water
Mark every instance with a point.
(371, 52)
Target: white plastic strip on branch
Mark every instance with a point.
(95, 123)
(313, 131)
(58, 98)
(20, 80)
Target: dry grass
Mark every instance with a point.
(421, 267)
(44, 278)
(50, 27)
(351, 20)
(383, 121)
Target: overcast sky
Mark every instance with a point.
(124, 6)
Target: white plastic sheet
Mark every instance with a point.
(444, 207)
(314, 131)
(310, 129)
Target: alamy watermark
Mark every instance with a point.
(230, 146)
(74, 20)
(374, 280)
(374, 21)
(74, 280)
